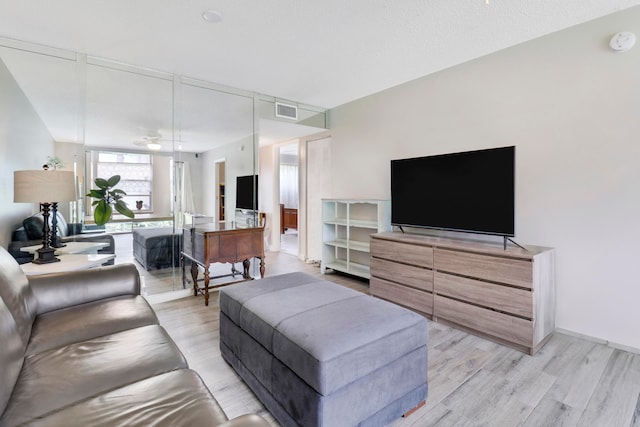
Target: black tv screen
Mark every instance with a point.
(247, 192)
(472, 191)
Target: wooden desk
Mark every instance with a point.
(223, 242)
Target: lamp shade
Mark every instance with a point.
(43, 186)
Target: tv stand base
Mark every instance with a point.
(509, 239)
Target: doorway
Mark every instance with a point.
(219, 186)
(289, 198)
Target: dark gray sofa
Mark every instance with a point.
(84, 348)
(30, 234)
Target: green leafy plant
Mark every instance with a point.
(108, 199)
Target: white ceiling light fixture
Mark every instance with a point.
(212, 16)
(151, 142)
(623, 41)
(157, 142)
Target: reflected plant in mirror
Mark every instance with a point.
(108, 199)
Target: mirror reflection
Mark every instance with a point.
(186, 151)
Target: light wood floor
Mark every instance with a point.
(472, 382)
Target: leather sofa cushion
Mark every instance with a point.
(177, 398)
(62, 290)
(67, 375)
(17, 295)
(11, 355)
(86, 321)
(33, 226)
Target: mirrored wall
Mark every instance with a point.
(182, 147)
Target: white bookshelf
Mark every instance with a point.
(346, 227)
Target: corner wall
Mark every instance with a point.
(25, 143)
(571, 106)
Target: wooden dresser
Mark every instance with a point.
(504, 295)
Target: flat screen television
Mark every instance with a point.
(247, 192)
(472, 191)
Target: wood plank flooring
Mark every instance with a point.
(472, 381)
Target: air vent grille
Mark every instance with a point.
(286, 111)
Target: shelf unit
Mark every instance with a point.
(346, 227)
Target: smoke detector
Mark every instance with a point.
(212, 16)
(623, 41)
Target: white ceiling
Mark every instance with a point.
(322, 53)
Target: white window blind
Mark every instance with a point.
(136, 176)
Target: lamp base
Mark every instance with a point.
(46, 256)
(57, 243)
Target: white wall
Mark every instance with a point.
(269, 195)
(24, 144)
(195, 167)
(239, 161)
(162, 185)
(571, 106)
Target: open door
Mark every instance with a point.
(289, 198)
(219, 188)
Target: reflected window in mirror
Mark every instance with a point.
(136, 177)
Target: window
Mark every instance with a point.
(136, 177)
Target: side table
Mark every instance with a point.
(71, 248)
(68, 262)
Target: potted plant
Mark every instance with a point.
(108, 199)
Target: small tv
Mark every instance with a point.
(472, 191)
(247, 192)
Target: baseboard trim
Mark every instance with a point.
(599, 341)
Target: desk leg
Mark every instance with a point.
(206, 285)
(246, 264)
(184, 275)
(262, 267)
(194, 276)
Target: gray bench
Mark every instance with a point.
(319, 354)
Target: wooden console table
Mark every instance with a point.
(224, 243)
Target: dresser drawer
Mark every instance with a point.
(499, 297)
(516, 272)
(421, 256)
(415, 277)
(503, 326)
(413, 298)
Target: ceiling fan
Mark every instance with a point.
(151, 142)
(154, 142)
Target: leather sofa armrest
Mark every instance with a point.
(61, 290)
(250, 420)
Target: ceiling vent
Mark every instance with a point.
(286, 111)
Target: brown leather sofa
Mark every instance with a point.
(84, 348)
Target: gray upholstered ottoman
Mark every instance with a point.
(320, 354)
(157, 248)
